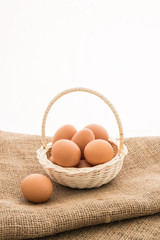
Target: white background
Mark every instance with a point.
(112, 47)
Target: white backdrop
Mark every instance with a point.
(109, 46)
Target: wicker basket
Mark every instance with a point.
(90, 177)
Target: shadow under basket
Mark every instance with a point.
(89, 177)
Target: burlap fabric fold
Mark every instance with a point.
(135, 192)
(141, 228)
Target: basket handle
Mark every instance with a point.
(43, 137)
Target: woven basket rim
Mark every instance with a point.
(41, 154)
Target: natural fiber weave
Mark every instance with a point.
(143, 228)
(135, 192)
(91, 177)
(83, 177)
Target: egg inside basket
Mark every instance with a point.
(88, 177)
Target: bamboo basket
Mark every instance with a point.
(90, 177)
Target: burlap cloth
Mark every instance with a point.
(132, 197)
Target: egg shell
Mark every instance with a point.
(36, 188)
(98, 151)
(82, 138)
(99, 131)
(66, 153)
(65, 132)
(51, 159)
(83, 163)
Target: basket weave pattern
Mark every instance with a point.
(83, 177)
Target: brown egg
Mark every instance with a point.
(36, 188)
(64, 132)
(83, 163)
(98, 151)
(66, 153)
(51, 159)
(99, 131)
(82, 138)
